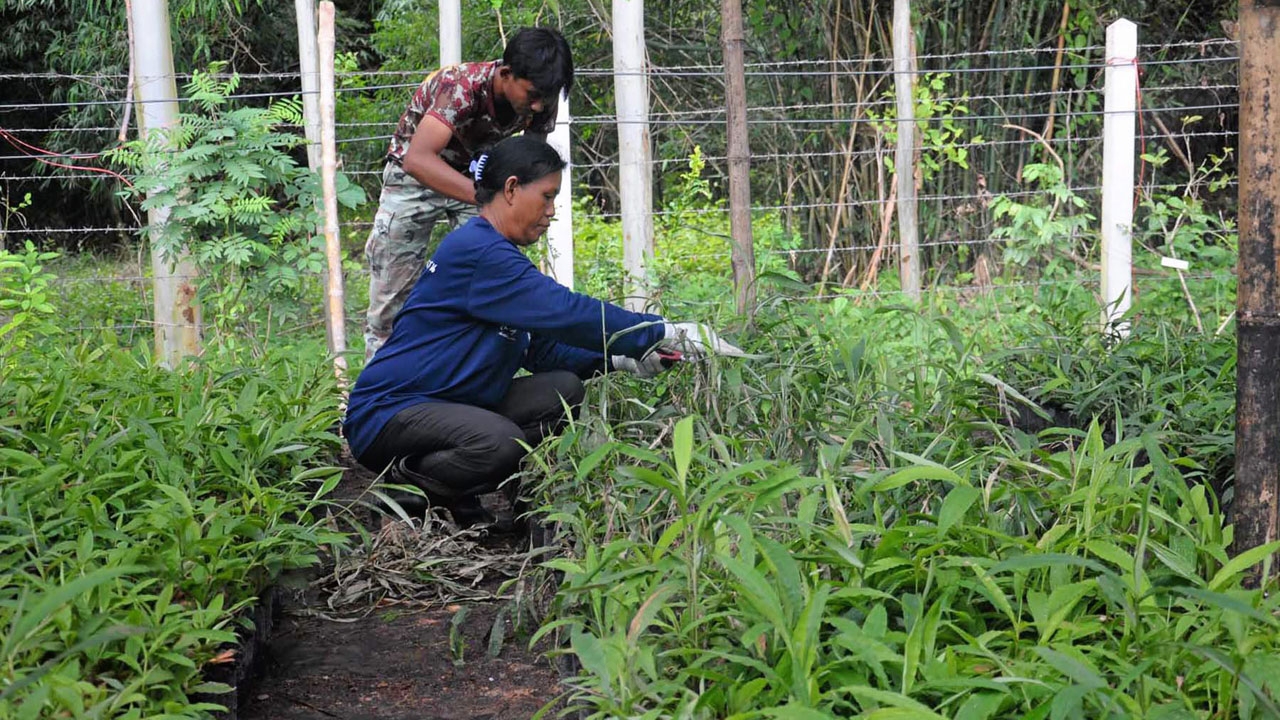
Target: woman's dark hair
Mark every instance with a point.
(524, 158)
(541, 56)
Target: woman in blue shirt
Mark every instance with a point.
(439, 404)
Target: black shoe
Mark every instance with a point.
(413, 505)
(513, 520)
(465, 510)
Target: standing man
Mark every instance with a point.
(457, 111)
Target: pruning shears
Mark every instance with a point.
(671, 357)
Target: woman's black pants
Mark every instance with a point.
(471, 450)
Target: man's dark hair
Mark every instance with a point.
(541, 56)
(522, 157)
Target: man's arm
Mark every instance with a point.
(423, 162)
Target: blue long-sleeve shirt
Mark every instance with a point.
(480, 311)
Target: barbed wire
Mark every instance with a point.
(851, 203)
(713, 70)
(1152, 134)
(813, 62)
(1080, 280)
(609, 120)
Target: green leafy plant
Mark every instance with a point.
(1053, 218)
(943, 140)
(692, 244)
(26, 312)
(238, 202)
(142, 511)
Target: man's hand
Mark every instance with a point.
(423, 163)
(649, 366)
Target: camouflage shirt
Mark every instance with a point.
(461, 96)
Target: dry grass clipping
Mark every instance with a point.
(420, 563)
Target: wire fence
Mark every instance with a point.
(822, 154)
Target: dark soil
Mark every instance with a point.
(396, 661)
(397, 665)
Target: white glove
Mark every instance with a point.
(649, 366)
(695, 340)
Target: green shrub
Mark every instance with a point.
(238, 201)
(26, 312)
(692, 245)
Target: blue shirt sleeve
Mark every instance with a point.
(546, 354)
(508, 290)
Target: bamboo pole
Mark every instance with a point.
(177, 316)
(1256, 505)
(744, 254)
(329, 170)
(904, 80)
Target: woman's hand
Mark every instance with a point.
(695, 340)
(648, 366)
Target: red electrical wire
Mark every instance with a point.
(28, 149)
(1142, 133)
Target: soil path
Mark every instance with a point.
(395, 663)
(397, 666)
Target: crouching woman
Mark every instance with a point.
(439, 405)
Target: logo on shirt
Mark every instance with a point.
(431, 266)
(508, 333)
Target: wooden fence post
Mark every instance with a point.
(1257, 489)
(744, 254)
(177, 316)
(904, 81)
(334, 292)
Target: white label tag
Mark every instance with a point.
(1174, 263)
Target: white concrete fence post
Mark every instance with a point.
(450, 32)
(560, 235)
(1119, 141)
(635, 172)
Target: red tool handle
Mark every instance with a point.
(670, 357)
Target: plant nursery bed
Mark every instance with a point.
(243, 662)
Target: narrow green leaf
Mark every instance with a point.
(1077, 671)
(682, 446)
(955, 505)
(1242, 562)
(914, 474)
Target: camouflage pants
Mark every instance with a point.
(398, 246)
